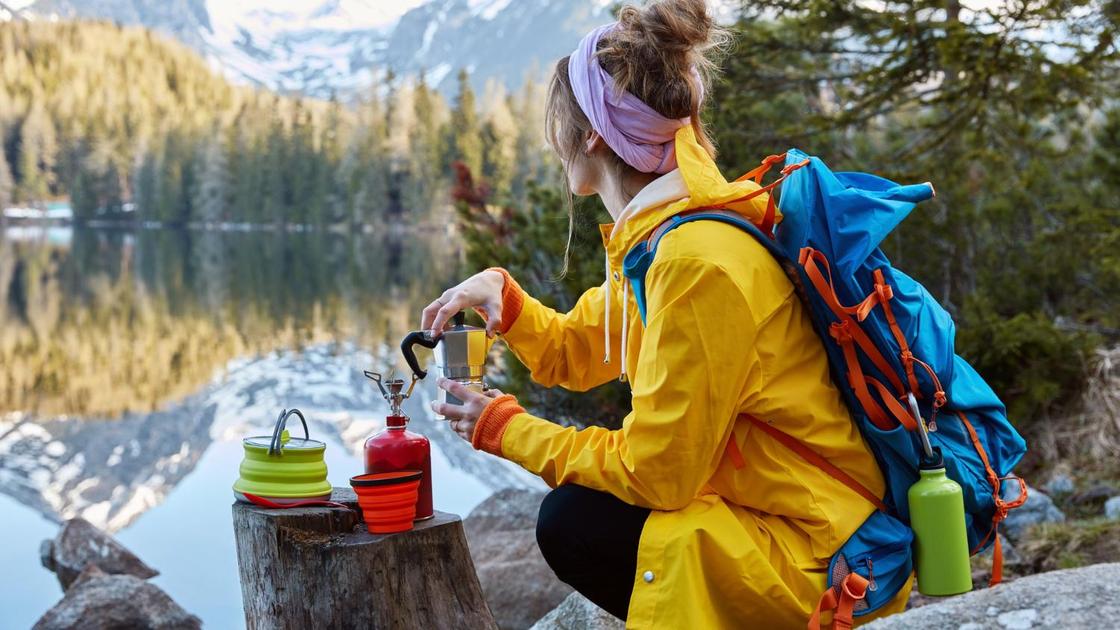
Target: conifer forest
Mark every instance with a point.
(119, 118)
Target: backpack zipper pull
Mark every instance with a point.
(871, 585)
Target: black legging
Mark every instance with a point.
(590, 539)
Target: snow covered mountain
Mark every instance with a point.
(320, 47)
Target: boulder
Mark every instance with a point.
(1112, 509)
(577, 612)
(97, 600)
(1060, 483)
(79, 544)
(517, 582)
(1039, 508)
(1095, 495)
(1074, 598)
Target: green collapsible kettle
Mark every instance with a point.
(282, 468)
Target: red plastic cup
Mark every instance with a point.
(388, 499)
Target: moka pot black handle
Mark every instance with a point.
(420, 337)
(411, 339)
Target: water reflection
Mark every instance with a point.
(112, 471)
(107, 472)
(119, 320)
(134, 362)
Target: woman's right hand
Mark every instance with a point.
(483, 290)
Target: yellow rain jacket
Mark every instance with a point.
(726, 546)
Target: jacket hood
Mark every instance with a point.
(695, 183)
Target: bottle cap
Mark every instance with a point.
(933, 462)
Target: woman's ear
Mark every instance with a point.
(593, 142)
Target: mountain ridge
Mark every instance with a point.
(341, 47)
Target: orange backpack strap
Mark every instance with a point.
(1002, 507)
(841, 600)
(766, 225)
(849, 336)
(762, 169)
(811, 261)
(817, 460)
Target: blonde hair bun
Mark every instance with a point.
(655, 48)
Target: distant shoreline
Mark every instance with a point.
(225, 226)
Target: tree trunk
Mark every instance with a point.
(320, 568)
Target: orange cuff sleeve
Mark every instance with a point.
(491, 425)
(513, 298)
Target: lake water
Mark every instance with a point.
(134, 362)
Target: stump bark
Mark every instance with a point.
(320, 568)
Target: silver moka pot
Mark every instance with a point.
(460, 354)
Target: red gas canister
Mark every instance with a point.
(396, 448)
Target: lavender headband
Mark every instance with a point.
(633, 130)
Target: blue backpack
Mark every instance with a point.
(891, 349)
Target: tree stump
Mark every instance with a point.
(320, 568)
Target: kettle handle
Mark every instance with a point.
(411, 339)
(275, 447)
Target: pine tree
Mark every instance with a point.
(273, 162)
(363, 171)
(965, 69)
(37, 152)
(529, 144)
(425, 148)
(301, 170)
(336, 125)
(7, 185)
(211, 187)
(1105, 160)
(145, 185)
(499, 137)
(466, 139)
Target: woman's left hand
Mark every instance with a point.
(463, 418)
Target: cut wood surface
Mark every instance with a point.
(320, 568)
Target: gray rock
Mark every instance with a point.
(1039, 508)
(80, 544)
(1094, 495)
(99, 601)
(519, 585)
(1074, 598)
(577, 612)
(1059, 483)
(1112, 508)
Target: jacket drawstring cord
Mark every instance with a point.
(607, 308)
(625, 318)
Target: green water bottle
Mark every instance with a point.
(937, 518)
